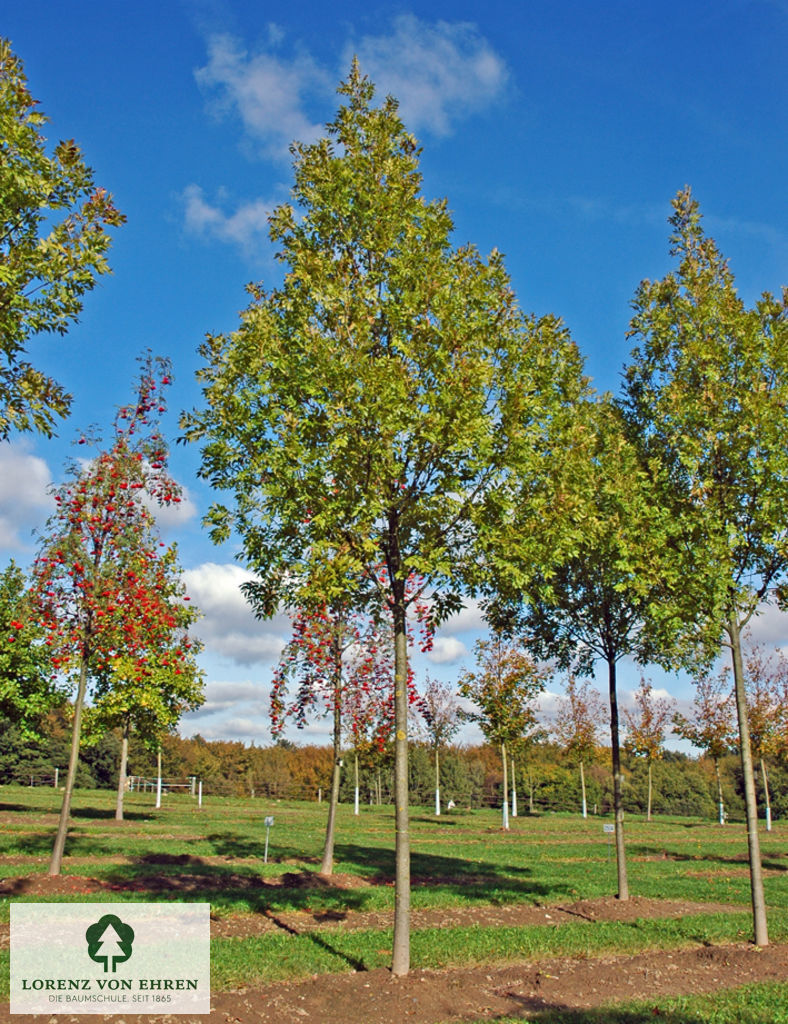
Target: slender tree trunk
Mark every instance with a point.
(327, 865)
(514, 791)
(400, 964)
(65, 809)
(648, 809)
(719, 791)
(158, 778)
(618, 806)
(583, 790)
(766, 798)
(356, 791)
(124, 757)
(530, 791)
(505, 807)
(437, 785)
(379, 788)
(751, 807)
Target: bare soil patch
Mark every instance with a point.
(517, 990)
(429, 996)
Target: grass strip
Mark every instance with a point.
(764, 1003)
(276, 957)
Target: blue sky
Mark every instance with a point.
(559, 132)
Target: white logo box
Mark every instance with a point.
(110, 958)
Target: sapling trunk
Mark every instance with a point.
(719, 791)
(766, 798)
(750, 803)
(65, 810)
(514, 790)
(583, 790)
(648, 810)
(327, 865)
(124, 757)
(437, 784)
(356, 791)
(618, 804)
(401, 945)
(505, 807)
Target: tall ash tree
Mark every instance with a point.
(602, 598)
(361, 409)
(705, 394)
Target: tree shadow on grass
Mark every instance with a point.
(24, 808)
(456, 875)
(558, 1014)
(320, 941)
(771, 861)
(228, 885)
(108, 814)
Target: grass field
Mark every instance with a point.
(215, 854)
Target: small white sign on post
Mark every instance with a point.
(609, 829)
(268, 822)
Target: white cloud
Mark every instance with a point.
(267, 92)
(468, 619)
(439, 72)
(220, 697)
(446, 650)
(246, 730)
(228, 626)
(770, 627)
(246, 226)
(24, 498)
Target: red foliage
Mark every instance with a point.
(355, 651)
(99, 584)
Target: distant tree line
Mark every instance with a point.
(470, 776)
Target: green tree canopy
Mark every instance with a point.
(27, 685)
(53, 244)
(361, 410)
(705, 396)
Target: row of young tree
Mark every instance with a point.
(393, 430)
(104, 612)
(546, 780)
(389, 414)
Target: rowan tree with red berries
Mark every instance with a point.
(579, 715)
(648, 724)
(88, 580)
(147, 692)
(341, 662)
(712, 724)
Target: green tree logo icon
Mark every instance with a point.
(109, 941)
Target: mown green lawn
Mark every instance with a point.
(461, 859)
